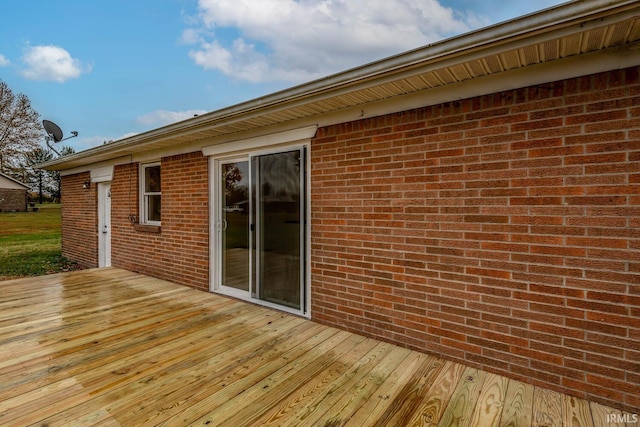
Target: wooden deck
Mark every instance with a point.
(111, 347)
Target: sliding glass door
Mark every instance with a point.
(277, 202)
(261, 228)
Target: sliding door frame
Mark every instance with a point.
(216, 160)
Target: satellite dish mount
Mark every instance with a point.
(54, 133)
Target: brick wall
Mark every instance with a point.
(178, 251)
(13, 200)
(79, 220)
(502, 232)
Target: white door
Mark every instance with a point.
(104, 224)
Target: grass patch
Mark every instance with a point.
(30, 243)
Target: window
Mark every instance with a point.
(150, 193)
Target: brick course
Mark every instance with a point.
(79, 220)
(13, 200)
(500, 231)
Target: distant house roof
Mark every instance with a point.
(553, 44)
(7, 182)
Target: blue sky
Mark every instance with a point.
(113, 68)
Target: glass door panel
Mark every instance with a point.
(277, 207)
(234, 224)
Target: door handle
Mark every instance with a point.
(225, 224)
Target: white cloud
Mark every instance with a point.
(4, 61)
(297, 40)
(164, 117)
(51, 63)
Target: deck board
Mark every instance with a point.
(112, 347)
(518, 405)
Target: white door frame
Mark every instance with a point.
(215, 162)
(104, 224)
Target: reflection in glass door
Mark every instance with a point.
(277, 209)
(234, 224)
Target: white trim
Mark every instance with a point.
(97, 165)
(141, 187)
(102, 174)
(250, 144)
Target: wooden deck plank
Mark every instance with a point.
(213, 374)
(109, 375)
(76, 326)
(204, 404)
(603, 415)
(49, 369)
(576, 412)
(400, 393)
(464, 400)
(188, 372)
(95, 338)
(112, 347)
(518, 405)
(273, 390)
(348, 389)
(488, 411)
(367, 389)
(301, 400)
(434, 400)
(547, 408)
(47, 317)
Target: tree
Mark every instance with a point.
(37, 178)
(234, 193)
(20, 129)
(43, 181)
(55, 175)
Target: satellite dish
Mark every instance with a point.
(54, 133)
(53, 130)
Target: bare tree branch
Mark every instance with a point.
(20, 129)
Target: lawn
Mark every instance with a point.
(30, 243)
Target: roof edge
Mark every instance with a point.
(577, 11)
(15, 180)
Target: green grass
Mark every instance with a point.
(30, 243)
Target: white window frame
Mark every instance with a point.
(144, 211)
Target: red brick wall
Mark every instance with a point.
(501, 231)
(79, 220)
(179, 250)
(13, 200)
